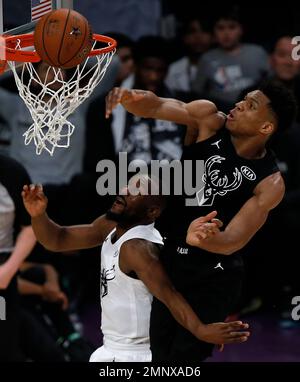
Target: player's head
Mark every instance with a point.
(140, 202)
(269, 109)
(151, 60)
(228, 29)
(284, 66)
(196, 36)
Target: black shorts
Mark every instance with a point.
(212, 292)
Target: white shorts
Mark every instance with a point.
(109, 354)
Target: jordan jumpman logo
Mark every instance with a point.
(219, 266)
(217, 143)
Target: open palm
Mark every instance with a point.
(34, 200)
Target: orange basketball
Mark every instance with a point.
(63, 38)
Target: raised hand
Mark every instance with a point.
(120, 95)
(34, 200)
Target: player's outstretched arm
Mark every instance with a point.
(244, 225)
(200, 114)
(57, 238)
(141, 257)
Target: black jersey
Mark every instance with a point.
(228, 182)
(211, 283)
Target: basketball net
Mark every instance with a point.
(49, 108)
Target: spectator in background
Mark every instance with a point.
(286, 219)
(196, 39)
(41, 294)
(16, 236)
(125, 53)
(283, 222)
(283, 67)
(141, 138)
(21, 336)
(233, 66)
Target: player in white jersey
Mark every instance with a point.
(130, 271)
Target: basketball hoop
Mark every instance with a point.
(50, 108)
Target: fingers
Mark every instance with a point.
(236, 325)
(218, 222)
(113, 98)
(211, 228)
(236, 340)
(227, 333)
(235, 337)
(32, 189)
(210, 216)
(204, 219)
(206, 230)
(238, 334)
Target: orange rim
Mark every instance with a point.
(27, 40)
(3, 65)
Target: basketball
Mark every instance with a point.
(63, 38)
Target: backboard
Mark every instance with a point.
(49, 88)
(19, 17)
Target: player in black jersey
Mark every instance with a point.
(241, 182)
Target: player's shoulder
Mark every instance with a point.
(274, 180)
(207, 116)
(271, 189)
(201, 108)
(139, 253)
(138, 243)
(140, 247)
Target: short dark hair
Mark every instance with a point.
(282, 103)
(228, 14)
(122, 39)
(184, 25)
(151, 46)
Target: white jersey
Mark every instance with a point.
(125, 301)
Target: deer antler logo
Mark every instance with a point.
(216, 184)
(106, 275)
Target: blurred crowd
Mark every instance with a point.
(202, 57)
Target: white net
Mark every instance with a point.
(54, 97)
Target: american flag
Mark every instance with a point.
(39, 8)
